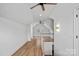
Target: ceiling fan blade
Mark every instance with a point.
(42, 6)
(34, 6)
(51, 3)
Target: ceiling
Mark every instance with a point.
(21, 12)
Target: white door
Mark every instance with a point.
(76, 32)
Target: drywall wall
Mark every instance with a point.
(18, 12)
(15, 22)
(63, 14)
(12, 36)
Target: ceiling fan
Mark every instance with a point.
(42, 5)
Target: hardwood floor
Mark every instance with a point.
(29, 49)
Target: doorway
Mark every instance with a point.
(43, 32)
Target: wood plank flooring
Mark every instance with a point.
(29, 49)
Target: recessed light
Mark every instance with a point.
(40, 15)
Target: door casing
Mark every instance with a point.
(76, 35)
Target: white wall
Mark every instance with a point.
(12, 36)
(13, 29)
(63, 14)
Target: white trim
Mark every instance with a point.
(75, 33)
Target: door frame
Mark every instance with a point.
(75, 41)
